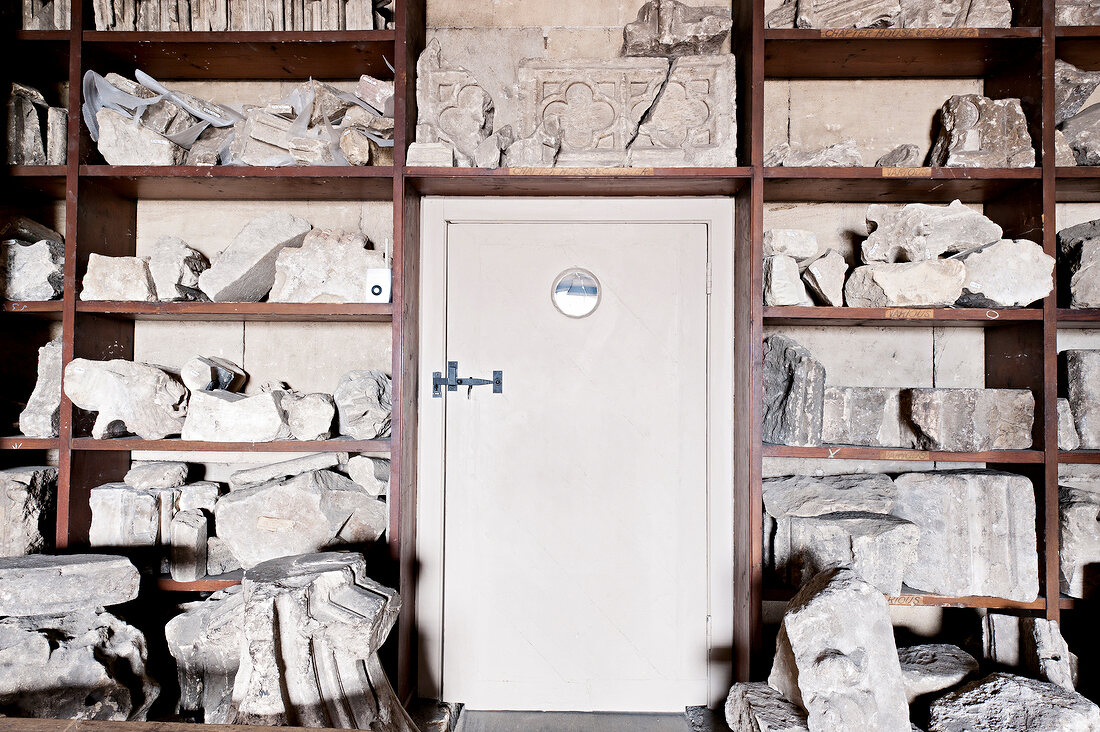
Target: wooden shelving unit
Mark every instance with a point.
(100, 205)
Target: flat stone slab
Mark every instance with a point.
(783, 282)
(1013, 704)
(934, 667)
(871, 416)
(972, 420)
(123, 279)
(122, 141)
(45, 585)
(245, 270)
(330, 266)
(794, 393)
(825, 278)
(1072, 88)
(798, 244)
(920, 231)
(929, 283)
(175, 268)
(807, 495)
(1009, 273)
(156, 475)
(286, 469)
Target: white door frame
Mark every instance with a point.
(437, 213)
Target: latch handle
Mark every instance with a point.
(453, 381)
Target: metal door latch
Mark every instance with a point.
(452, 381)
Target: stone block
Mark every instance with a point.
(57, 135)
(919, 231)
(245, 270)
(363, 404)
(1082, 369)
(871, 416)
(212, 373)
(667, 28)
(842, 154)
(156, 476)
(1077, 12)
(1072, 88)
(1082, 132)
(931, 283)
(220, 558)
(370, 473)
(222, 416)
(1067, 430)
(1079, 539)
(205, 641)
(118, 278)
(934, 667)
(1008, 273)
(286, 469)
(25, 140)
(430, 155)
(309, 416)
(783, 283)
(1079, 261)
(207, 149)
(1029, 644)
(757, 707)
(377, 93)
(123, 141)
(31, 271)
(27, 508)
(42, 415)
(330, 266)
(979, 132)
(128, 396)
(798, 244)
(175, 269)
(1064, 156)
(825, 278)
(1007, 702)
(451, 106)
(201, 495)
(45, 585)
(902, 156)
(188, 556)
(794, 393)
(125, 517)
(359, 149)
(848, 14)
(806, 495)
(972, 420)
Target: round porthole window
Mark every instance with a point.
(576, 292)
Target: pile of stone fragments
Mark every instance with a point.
(891, 14)
(669, 101)
(918, 255)
(242, 15)
(37, 132)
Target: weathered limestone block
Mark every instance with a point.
(757, 707)
(902, 156)
(1064, 156)
(364, 119)
(794, 393)
(118, 278)
(1079, 539)
(156, 476)
(845, 674)
(977, 533)
(245, 271)
(805, 495)
(25, 141)
(26, 510)
(783, 16)
(848, 14)
(989, 14)
(205, 640)
(31, 271)
(202, 495)
(266, 136)
(1072, 88)
(825, 278)
(213, 373)
(330, 266)
(363, 404)
(972, 420)
(669, 28)
(175, 268)
(222, 416)
(1029, 643)
(956, 14)
(783, 283)
(934, 667)
(125, 517)
(79, 665)
(129, 397)
(309, 416)
(798, 244)
(57, 133)
(122, 141)
(42, 415)
(919, 231)
(1013, 704)
(1082, 132)
(286, 469)
(451, 106)
(358, 148)
(871, 416)
(188, 557)
(377, 93)
(45, 585)
(297, 515)
(979, 132)
(46, 14)
(838, 155)
(1082, 370)
(430, 155)
(1067, 431)
(1079, 260)
(370, 473)
(931, 283)
(1008, 273)
(220, 558)
(1077, 12)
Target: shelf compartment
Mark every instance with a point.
(206, 584)
(902, 185)
(848, 452)
(1079, 184)
(913, 598)
(917, 317)
(1079, 45)
(1079, 318)
(242, 311)
(19, 442)
(242, 183)
(844, 53)
(578, 181)
(45, 179)
(131, 444)
(1079, 457)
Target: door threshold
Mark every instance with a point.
(696, 719)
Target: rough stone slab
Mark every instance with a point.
(122, 141)
(175, 268)
(44, 585)
(245, 270)
(668, 28)
(370, 473)
(451, 106)
(363, 404)
(783, 283)
(1072, 88)
(934, 667)
(222, 416)
(757, 707)
(1079, 539)
(538, 150)
(1064, 156)
(1067, 431)
(188, 556)
(377, 93)
(57, 135)
(1079, 261)
(902, 156)
(931, 283)
(309, 416)
(977, 533)
(330, 266)
(42, 415)
(794, 393)
(128, 396)
(1082, 132)
(807, 495)
(357, 147)
(220, 558)
(126, 517)
(31, 271)
(972, 420)
(1082, 369)
(25, 141)
(1009, 703)
(920, 231)
(871, 416)
(1009, 273)
(979, 132)
(825, 278)
(286, 469)
(202, 495)
(848, 14)
(156, 476)
(838, 155)
(1077, 12)
(213, 373)
(205, 641)
(430, 155)
(26, 510)
(207, 149)
(845, 674)
(798, 244)
(1030, 644)
(118, 278)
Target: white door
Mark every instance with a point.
(576, 507)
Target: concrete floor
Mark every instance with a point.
(474, 721)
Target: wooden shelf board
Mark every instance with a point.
(39, 36)
(50, 309)
(579, 181)
(894, 184)
(843, 452)
(1080, 47)
(1079, 318)
(243, 183)
(45, 179)
(1079, 457)
(919, 317)
(241, 311)
(130, 444)
(206, 584)
(19, 442)
(1077, 31)
(1079, 184)
(913, 598)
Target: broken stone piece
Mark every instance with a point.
(212, 373)
(370, 473)
(757, 707)
(309, 416)
(902, 156)
(1077, 12)
(155, 476)
(1072, 88)
(782, 17)
(31, 271)
(848, 14)
(870, 416)
(286, 468)
(118, 278)
(798, 244)
(979, 132)
(451, 106)
(26, 510)
(128, 517)
(377, 93)
(25, 230)
(129, 397)
(205, 641)
(1079, 260)
(175, 268)
(1082, 132)
(1006, 274)
(42, 415)
(491, 150)
(1032, 644)
(668, 28)
(783, 283)
(267, 136)
(538, 150)
(804, 495)
(123, 141)
(358, 148)
(207, 149)
(188, 556)
(1079, 539)
(369, 121)
(1082, 370)
(329, 266)
(38, 584)
(977, 533)
(934, 667)
(1007, 702)
(25, 141)
(919, 231)
(222, 416)
(202, 495)
(220, 559)
(245, 270)
(430, 155)
(972, 420)
(838, 155)
(1064, 156)
(825, 278)
(931, 283)
(794, 393)
(57, 133)
(1067, 431)
(363, 404)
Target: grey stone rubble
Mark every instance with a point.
(934, 667)
(669, 28)
(1030, 644)
(902, 156)
(757, 707)
(205, 641)
(267, 137)
(1077, 12)
(841, 154)
(825, 278)
(891, 14)
(1082, 133)
(869, 416)
(1079, 263)
(32, 261)
(783, 282)
(223, 416)
(156, 475)
(27, 507)
(799, 244)
(129, 398)
(977, 533)
(972, 420)
(804, 495)
(37, 132)
(330, 266)
(46, 14)
(979, 132)
(203, 373)
(286, 469)
(931, 283)
(1007, 273)
(242, 15)
(1079, 538)
(37, 584)
(1072, 88)
(363, 404)
(1013, 704)
(188, 538)
(309, 416)
(118, 278)
(794, 393)
(42, 415)
(919, 231)
(372, 474)
(175, 269)
(1067, 430)
(245, 270)
(207, 149)
(1082, 369)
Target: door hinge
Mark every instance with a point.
(710, 278)
(452, 381)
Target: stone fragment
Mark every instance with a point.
(188, 557)
(175, 268)
(1067, 431)
(805, 495)
(538, 150)
(979, 132)
(57, 134)
(286, 469)
(25, 230)
(669, 28)
(1079, 262)
(902, 156)
(777, 156)
(358, 148)
(42, 415)
(489, 153)
(129, 397)
(25, 141)
(451, 106)
(46, 585)
(825, 278)
(783, 282)
(330, 266)
(222, 416)
(202, 495)
(918, 231)
(845, 674)
(977, 533)
(31, 271)
(156, 476)
(931, 283)
(1072, 88)
(1032, 644)
(1079, 539)
(118, 278)
(1009, 703)
(267, 136)
(309, 416)
(757, 707)
(870, 416)
(377, 93)
(220, 559)
(123, 141)
(972, 420)
(1077, 12)
(1082, 133)
(1082, 370)
(1006, 274)
(46, 14)
(26, 510)
(1064, 156)
(370, 473)
(205, 641)
(125, 517)
(207, 149)
(798, 244)
(838, 155)
(989, 14)
(366, 120)
(245, 270)
(212, 373)
(329, 104)
(934, 667)
(794, 393)
(783, 16)
(848, 14)
(363, 404)
(430, 155)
